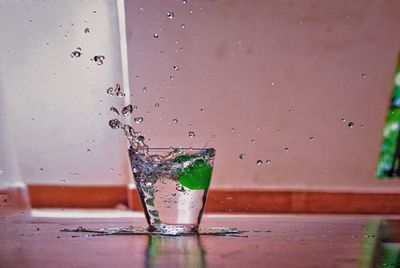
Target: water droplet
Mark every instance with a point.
(76, 53)
(192, 134)
(88, 150)
(41, 169)
(76, 174)
(127, 110)
(111, 169)
(94, 11)
(233, 129)
(172, 77)
(141, 9)
(364, 75)
(311, 138)
(343, 120)
(156, 105)
(99, 59)
(242, 155)
(117, 91)
(170, 15)
(144, 89)
(350, 124)
(184, 1)
(259, 162)
(290, 111)
(286, 149)
(253, 140)
(183, 26)
(272, 83)
(201, 110)
(175, 121)
(115, 123)
(176, 67)
(138, 120)
(114, 110)
(87, 30)
(362, 126)
(268, 162)
(155, 35)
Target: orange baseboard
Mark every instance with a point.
(240, 201)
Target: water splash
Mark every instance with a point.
(142, 230)
(114, 110)
(170, 15)
(127, 110)
(117, 91)
(76, 53)
(99, 59)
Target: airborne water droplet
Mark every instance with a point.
(286, 149)
(88, 150)
(41, 169)
(242, 155)
(156, 105)
(176, 67)
(138, 120)
(99, 59)
(155, 35)
(183, 26)
(364, 75)
(115, 123)
(311, 138)
(175, 121)
(191, 134)
(76, 53)
(127, 110)
(87, 30)
(114, 110)
(259, 162)
(170, 15)
(350, 124)
(268, 162)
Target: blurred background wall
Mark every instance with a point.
(263, 76)
(276, 81)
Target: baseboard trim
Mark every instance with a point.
(237, 201)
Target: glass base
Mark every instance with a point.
(173, 229)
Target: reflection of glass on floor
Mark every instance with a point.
(181, 251)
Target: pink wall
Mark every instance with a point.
(279, 72)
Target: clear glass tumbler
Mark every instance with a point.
(173, 184)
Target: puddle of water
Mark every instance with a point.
(142, 230)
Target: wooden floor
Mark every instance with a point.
(32, 238)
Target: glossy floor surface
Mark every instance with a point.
(35, 240)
